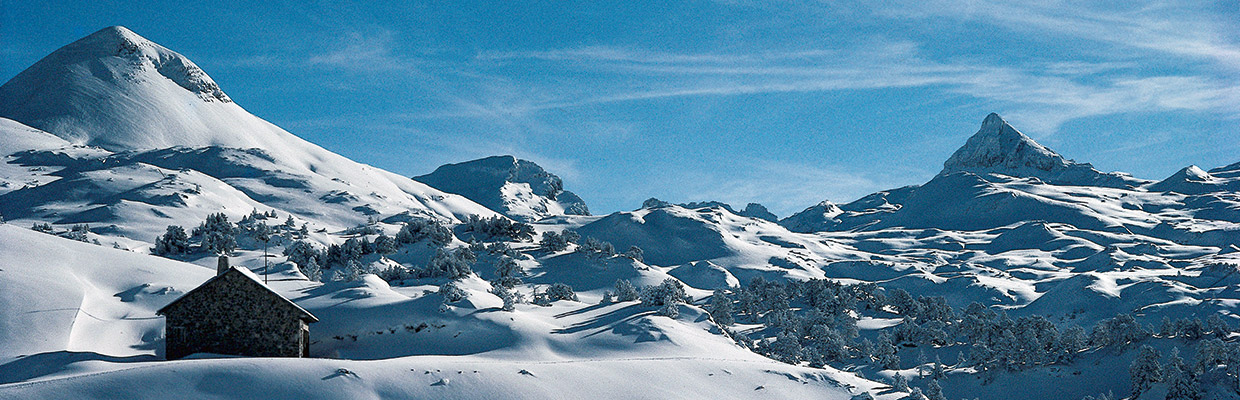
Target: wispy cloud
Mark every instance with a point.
(1047, 94)
(1176, 28)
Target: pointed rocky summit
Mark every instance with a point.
(998, 148)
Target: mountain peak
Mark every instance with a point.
(514, 187)
(998, 147)
(117, 90)
(993, 120)
(112, 35)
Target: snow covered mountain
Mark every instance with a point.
(117, 90)
(167, 144)
(519, 189)
(998, 148)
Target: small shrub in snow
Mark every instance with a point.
(452, 293)
(363, 229)
(217, 235)
(501, 248)
(510, 297)
(636, 254)
(218, 243)
(509, 272)
(601, 248)
(669, 291)
(560, 291)
(385, 244)
(552, 241)
(353, 271)
(899, 384)
(79, 233)
(625, 290)
(1217, 326)
(44, 227)
(449, 264)
(607, 298)
(1144, 371)
(721, 308)
(1117, 331)
(786, 348)
(670, 309)
(555, 292)
(1182, 381)
(303, 253)
(311, 270)
(395, 273)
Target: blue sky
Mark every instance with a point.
(783, 103)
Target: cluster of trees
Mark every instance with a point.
(667, 295)
(814, 321)
(558, 241)
(424, 229)
(555, 292)
(598, 247)
(76, 232)
(218, 235)
(1215, 361)
(312, 260)
(498, 227)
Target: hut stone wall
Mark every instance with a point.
(235, 316)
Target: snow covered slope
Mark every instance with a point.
(519, 189)
(161, 126)
(119, 91)
(83, 325)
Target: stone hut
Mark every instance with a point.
(235, 313)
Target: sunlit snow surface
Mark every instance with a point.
(1008, 223)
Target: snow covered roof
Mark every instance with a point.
(306, 315)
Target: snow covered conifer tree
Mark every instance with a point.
(721, 308)
(625, 290)
(174, 241)
(559, 291)
(1144, 371)
(636, 254)
(934, 391)
(509, 272)
(1181, 380)
(898, 383)
(937, 372)
(1217, 326)
(885, 352)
